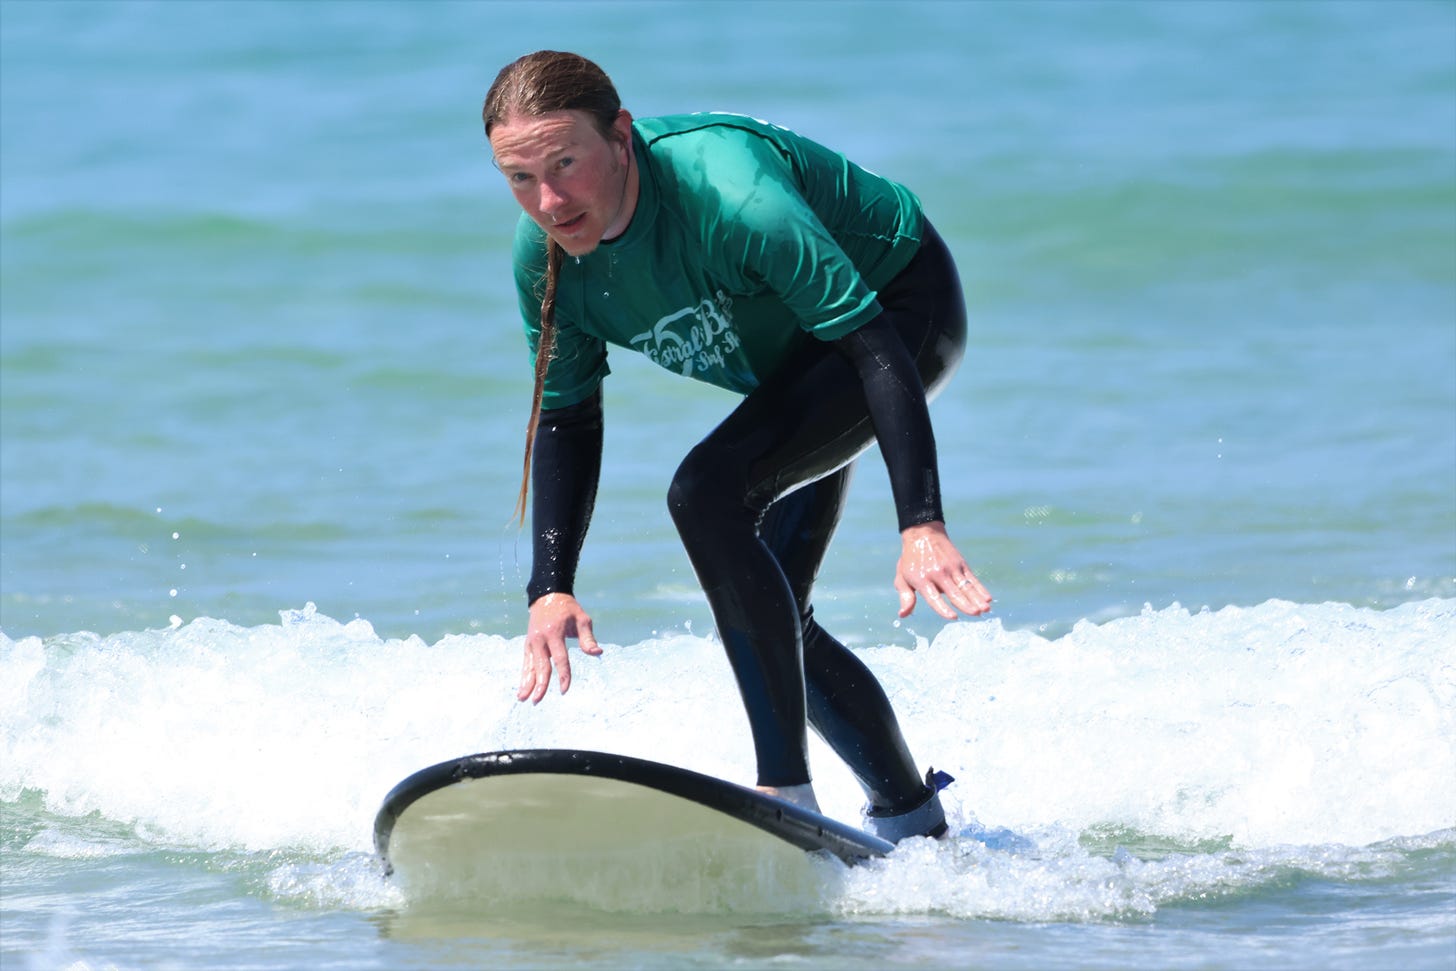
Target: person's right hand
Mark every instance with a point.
(554, 618)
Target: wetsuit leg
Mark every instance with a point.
(846, 705)
(803, 423)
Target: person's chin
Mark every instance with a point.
(577, 245)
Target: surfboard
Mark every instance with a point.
(579, 825)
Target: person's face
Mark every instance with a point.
(567, 176)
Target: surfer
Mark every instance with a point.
(744, 255)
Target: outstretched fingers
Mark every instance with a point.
(969, 595)
(535, 674)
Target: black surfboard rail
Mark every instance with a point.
(799, 827)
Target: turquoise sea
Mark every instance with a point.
(262, 395)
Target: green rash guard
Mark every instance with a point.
(746, 237)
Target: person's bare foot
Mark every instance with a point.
(801, 796)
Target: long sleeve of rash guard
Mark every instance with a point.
(565, 468)
(901, 418)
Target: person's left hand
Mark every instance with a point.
(932, 567)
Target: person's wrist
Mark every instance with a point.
(930, 526)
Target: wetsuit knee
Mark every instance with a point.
(701, 494)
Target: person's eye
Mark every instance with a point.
(566, 162)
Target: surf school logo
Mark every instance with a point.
(694, 339)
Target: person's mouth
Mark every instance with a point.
(569, 225)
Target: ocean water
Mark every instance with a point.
(262, 394)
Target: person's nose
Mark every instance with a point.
(553, 200)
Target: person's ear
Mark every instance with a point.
(622, 130)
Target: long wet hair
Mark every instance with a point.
(539, 84)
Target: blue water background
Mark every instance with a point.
(255, 294)
(259, 350)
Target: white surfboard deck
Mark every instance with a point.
(591, 828)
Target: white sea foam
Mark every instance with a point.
(1052, 875)
(1257, 738)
